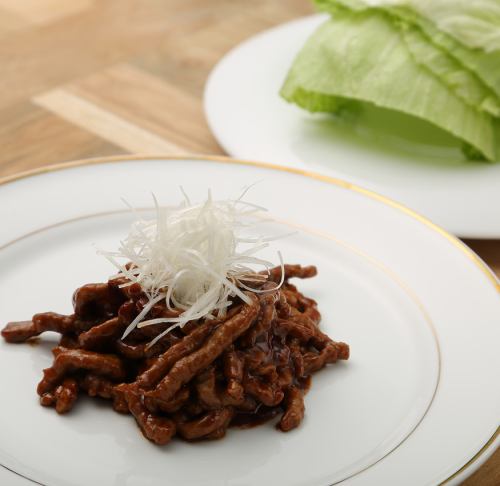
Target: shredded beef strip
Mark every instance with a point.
(186, 368)
(71, 360)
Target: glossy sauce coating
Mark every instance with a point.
(245, 369)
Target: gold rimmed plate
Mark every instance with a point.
(394, 286)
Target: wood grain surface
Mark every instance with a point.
(83, 78)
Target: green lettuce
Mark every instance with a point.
(465, 83)
(484, 63)
(474, 23)
(391, 56)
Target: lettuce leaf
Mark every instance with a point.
(473, 23)
(484, 63)
(362, 56)
(466, 84)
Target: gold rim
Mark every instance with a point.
(478, 262)
(474, 458)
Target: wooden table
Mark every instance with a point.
(83, 78)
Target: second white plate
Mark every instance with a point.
(396, 155)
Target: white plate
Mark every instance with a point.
(398, 156)
(415, 402)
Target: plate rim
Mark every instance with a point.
(489, 447)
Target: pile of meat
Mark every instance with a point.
(196, 381)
